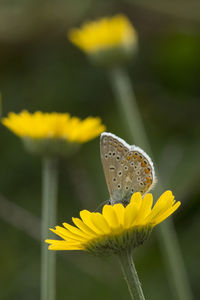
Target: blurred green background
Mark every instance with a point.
(41, 70)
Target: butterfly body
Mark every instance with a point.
(128, 169)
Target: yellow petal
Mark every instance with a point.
(49, 241)
(62, 245)
(166, 214)
(79, 223)
(75, 230)
(66, 234)
(136, 199)
(131, 211)
(86, 217)
(165, 201)
(100, 223)
(145, 209)
(110, 216)
(119, 211)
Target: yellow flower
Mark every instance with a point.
(41, 129)
(104, 33)
(117, 228)
(98, 37)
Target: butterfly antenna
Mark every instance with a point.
(100, 206)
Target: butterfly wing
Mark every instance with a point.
(128, 169)
(112, 154)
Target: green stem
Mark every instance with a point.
(130, 275)
(127, 103)
(49, 205)
(1, 110)
(169, 244)
(174, 260)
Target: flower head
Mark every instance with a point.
(52, 131)
(106, 39)
(117, 227)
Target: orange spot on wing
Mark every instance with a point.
(147, 171)
(149, 180)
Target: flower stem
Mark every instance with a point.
(174, 261)
(127, 104)
(130, 275)
(49, 204)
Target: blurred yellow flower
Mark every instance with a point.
(53, 126)
(56, 134)
(104, 33)
(117, 228)
(107, 41)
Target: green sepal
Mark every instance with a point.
(113, 56)
(50, 146)
(117, 243)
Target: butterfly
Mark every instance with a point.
(127, 168)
